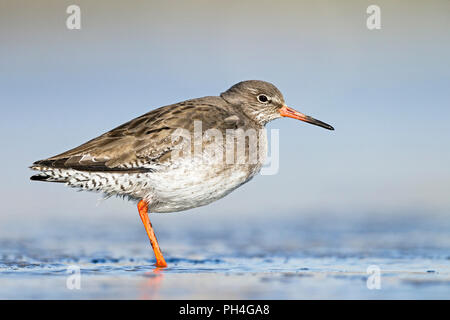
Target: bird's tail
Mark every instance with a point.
(46, 174)
(44, 177)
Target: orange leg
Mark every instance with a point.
(143, 212)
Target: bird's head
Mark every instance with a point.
(263, 102)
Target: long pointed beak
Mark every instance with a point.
(285, 111)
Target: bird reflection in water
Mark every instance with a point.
(152, 284)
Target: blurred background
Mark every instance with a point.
(386, 92)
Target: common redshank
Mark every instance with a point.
(146, 159)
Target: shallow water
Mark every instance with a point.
(287, 258)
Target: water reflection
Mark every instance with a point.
(151, 285)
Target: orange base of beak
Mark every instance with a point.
(285, 111)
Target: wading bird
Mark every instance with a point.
(135, 160)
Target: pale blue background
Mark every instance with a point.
(375, 191)
(386, 92)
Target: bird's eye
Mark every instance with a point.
(263, 98)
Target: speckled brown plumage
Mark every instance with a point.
(148, 137)
(139, 159)
(134, 159)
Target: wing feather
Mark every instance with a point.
(143, 140)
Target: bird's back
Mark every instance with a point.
(136, 159)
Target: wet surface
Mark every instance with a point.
(290, 258)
